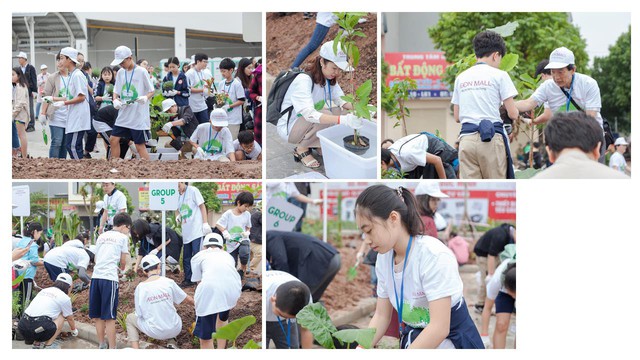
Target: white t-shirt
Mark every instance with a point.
(431, 274)
(114, 204)
(617, 162)
(74, 243)
(235, 225)
(413, 152)
(130, 86)
(257, 149)
(479, 91)
(67, 257)
(494, 286)
(197, 80)
(79, 115)
(272, 281)
(585, 93)
(303, 99)
(220, 285)
(327, 19)
(215, 144)
(157, 317)
(189, 208)
(235, 91)
(282, 190)
(50, 302)
(109, 246)
(60, 115)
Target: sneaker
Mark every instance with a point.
(38, 346)
(31, 129)
(185, 284)
(104, 345)
(54, 345)
(478, 308)
(307, 15)
(87, 155)
(172, 344)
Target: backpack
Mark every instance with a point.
(276, 95)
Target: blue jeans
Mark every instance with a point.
(188, 251)
(317, 37)
(15, 140)
(73, 143)
(38, 105)
(58, 145)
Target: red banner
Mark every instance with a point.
(228, 190)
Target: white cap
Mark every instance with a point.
(43, 66)
(23, 55)
(74, 243)
(167, 104)
(560, 58)
(149, 261)
(431, 188)
(621, 141)
(65, 278)
(122, 52)
(193, 59)
(99, 206)
(219, 117)
(340, 59)
(71, 53)
(21, 265)
(213, 239)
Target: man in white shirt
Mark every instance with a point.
(112, 249)
(617, 160)
(198, 77)
(192, 215)
(114, 202)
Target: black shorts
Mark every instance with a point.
(505, 303)
(40, 328)
(138, 136)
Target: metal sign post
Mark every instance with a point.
(163, 196)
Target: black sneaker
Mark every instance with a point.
(186, 284)
(31, 129)
(478, 308)
(241, 273)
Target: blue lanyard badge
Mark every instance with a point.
(570, 91)
(325, 95)
(128, 83)
(66, 85)
(209, 143)
(287, 333)
(400, 301)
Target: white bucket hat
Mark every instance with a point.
(340, 59)
(71, 53)
(219, 118)
(621, 141)
(23, 55)
(431, 188)
(122, 52)
(167, 104)
(43, 66)
(560, 58)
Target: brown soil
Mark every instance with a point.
(341, 293)
(288, 34)
(45, 168)
(250, 303)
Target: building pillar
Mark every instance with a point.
(180, 42)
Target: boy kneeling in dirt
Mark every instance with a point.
(155, 314)
(246, 147)
(213, 141)
(287, 296)
(182, 125)
(218, 291)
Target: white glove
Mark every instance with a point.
(206, 92)
(174, 92)
(226, 107)
(359, 256)
(206, 229)
(351, 121)
(525, 120)
(58, 104)
(142, 99)
(48, 99)
(106, 97)
(178, 219)
(21, 264)
(74, 332)
(153, 252)
(245, 234)
(226, 235)
(200, 153)
(43, 120)
(317, 201)
(94, 79)
(166, 93)
(117, 104)
(488, 278)
(167, 127)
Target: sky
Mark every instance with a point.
(601, 30)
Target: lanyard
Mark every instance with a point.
(201, 79)
(570, 91)
(288, 333)
(183, 196)
(66, 84)
(325, 95)
(400, 302)
(128, 83)
(209, 142)
(224, 87)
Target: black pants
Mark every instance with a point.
(32, 118)
(241, 252)
(26, 292)
(276, 334)
(40, 328)
(330, 273)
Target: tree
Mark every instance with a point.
(613, 74)
(209, 194)
(537, 36)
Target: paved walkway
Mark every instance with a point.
(280, 163)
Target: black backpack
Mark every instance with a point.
(276, 95)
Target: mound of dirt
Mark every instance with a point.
(288, 33)
(46, 168)
(250, 303)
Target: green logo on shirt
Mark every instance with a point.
(212, 146)
(236, 233)
(415, 315)
(64, 93)
(129, 95)
(185, 212)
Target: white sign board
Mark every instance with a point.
(21, 198)
(163, 196)
(282, 215)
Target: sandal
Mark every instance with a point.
(313, 164)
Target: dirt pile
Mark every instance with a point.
(45, 168)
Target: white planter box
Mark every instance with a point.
(340, 163)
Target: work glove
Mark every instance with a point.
(175, 92)
(206, 229)
(200, 154)
(74, 332)
(43, 120)
(317, 201)
(167, 127)
(178, 219)
(153, 252)
(95, 79)
(58, 104)
(117, 104)
(48, 99)
(226, 235)
(21, 264)
(359, 257)
(77, 287)
(351, 121)
(525, 120)
(488, 278)
(166, 93)
(106, 97)
(227, 108)
(206, 92)
(142, 99)
(245, 234)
